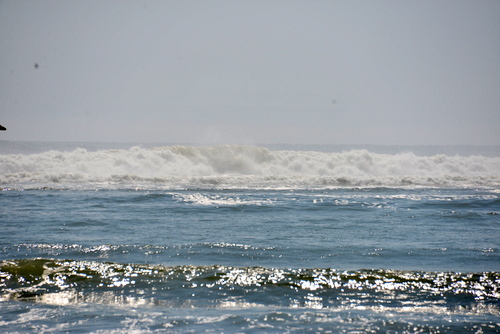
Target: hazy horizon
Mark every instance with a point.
(251, 72)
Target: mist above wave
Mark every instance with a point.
(235, 165)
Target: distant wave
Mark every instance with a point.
(243, 166)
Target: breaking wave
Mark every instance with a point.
(242, 167)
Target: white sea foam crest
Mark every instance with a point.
(235, 164)
(210, 200)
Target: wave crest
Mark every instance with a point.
(30, 278)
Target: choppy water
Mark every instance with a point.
(247, 239)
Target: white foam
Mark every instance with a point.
(243, 166)
(216, 200)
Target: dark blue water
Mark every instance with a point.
(124, 252)
(425, 229)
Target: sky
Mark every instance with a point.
(249, 72)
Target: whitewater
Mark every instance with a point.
(155, 238)
(245, 167)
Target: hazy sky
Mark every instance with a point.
(310, 72)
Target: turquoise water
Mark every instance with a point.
(248, 239)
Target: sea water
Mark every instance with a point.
(249, 239)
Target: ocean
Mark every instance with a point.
(131, 238)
